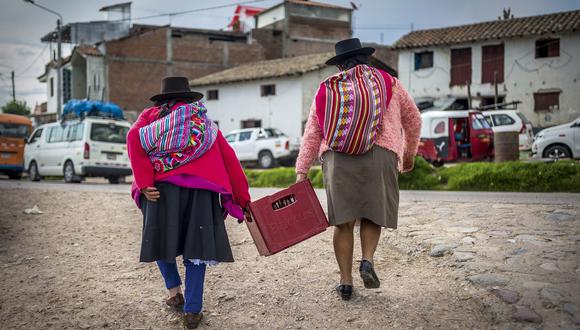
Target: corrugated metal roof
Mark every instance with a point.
(500, 29)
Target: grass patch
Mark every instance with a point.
(561, 176)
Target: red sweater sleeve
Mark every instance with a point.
(238, 180)
(143, 173)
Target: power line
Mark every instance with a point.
(34, 61)
(187, 11)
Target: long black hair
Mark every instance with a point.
(167, 104)
(350, 62)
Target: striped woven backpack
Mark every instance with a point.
(350, 105)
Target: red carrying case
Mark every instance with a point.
(286, 218)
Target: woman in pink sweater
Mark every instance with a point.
(364, 127)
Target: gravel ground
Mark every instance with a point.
(76, 266)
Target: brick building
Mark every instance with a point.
(126, 66)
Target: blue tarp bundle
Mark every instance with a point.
(83, 108)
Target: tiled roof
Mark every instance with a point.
(266, 69)
(500, 29)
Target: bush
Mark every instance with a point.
(16, 108)
(561, 176)
(423, 177)
(513, 176)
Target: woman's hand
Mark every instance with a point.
(247, 216)
(408, 163)
(301, 177)
(151, 193)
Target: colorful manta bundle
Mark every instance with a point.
(183, 135)
(352, 102)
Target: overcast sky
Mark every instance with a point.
(22, 25)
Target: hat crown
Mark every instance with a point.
(347, 45)
(175, 84)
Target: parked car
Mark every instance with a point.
(14, 131)
(511, 121)
(75, 149)
(455, 136)
(556, 142)
(264, 146)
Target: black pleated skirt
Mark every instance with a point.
(184, 221)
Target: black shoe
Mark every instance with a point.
(344, 291)
(368, 275)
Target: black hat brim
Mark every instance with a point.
(175, 95)
(360, 51)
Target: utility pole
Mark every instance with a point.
(58, 70)
(13, 89)
(59, 57)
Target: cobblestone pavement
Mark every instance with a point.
(453, 262)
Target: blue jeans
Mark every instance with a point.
(194, 279)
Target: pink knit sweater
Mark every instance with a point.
(401, 126)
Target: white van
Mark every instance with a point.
(75, 149)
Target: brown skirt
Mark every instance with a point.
(363, 186)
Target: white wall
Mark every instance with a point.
(96, 82)
(524, 75)
(242, 101)
(310, 83)
(271, 16)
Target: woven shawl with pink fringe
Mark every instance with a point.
(185, 134)
(349, 105)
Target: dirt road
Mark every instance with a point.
(75, 266)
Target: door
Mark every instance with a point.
(107, 144)
(439, 134)
(51, 152)
(32, 148)
(480, 136)
(246, 145)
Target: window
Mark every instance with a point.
(14, 130)
(66, 85)
(502, 120)
(439, 128)
(244, 136)
(546, 101)
(547, 48)
(273, 132)
(492, 64)
(460, 66)
(75, 132)
(478, 122)
(231, 138)
(251, 123)
(109, 133)
(55, 134)
(488, 120)
(51, 87)
(36, 136)
(423, 60)
(267, 90)
(212, 94)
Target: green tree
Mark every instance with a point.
(16, 108)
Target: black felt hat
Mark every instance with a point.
(176, 87)
(348, 48)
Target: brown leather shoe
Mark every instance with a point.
(191, 320)
(176, 301)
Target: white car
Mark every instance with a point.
(511, 121)
(264, 146)
(75, 149)
(556, 142)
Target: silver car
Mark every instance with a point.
(557, 142)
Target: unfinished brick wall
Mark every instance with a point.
(318, 29)
(149, 45)
(271, 42)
